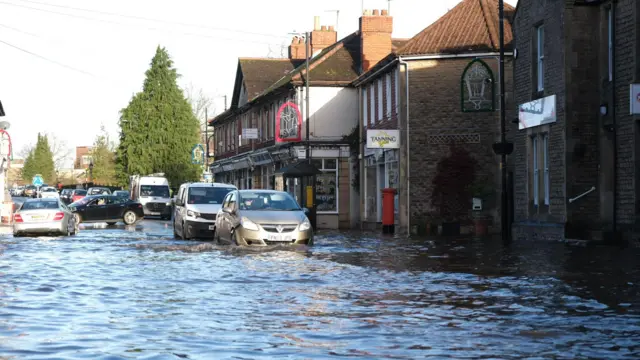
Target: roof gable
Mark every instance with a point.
(257, 74)
(471, 26)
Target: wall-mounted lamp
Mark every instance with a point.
(604, 109)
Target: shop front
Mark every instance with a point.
(381, 171)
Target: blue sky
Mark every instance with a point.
(67, 72)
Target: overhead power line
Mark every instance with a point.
(46, 58)
(93, 19)
(136, 17)
(18, 30)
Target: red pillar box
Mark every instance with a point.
(388, 210)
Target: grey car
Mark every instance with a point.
(261, 218)
(44, 217)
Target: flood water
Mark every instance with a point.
(136, 293)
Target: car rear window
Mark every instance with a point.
(80, 192)
(36, 205)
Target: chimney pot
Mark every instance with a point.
(376, 12)
(316, 23)
(324, 28)
(332, 28)
(366, 12)
(384, 12)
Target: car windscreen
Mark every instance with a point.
(37, 205)
(98, 191)
(154, 190)
(207, 195)
(49, 190)
(267, 201)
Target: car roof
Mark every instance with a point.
(40, 199)
(264, 191)
(214, 184)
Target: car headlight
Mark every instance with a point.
(306, 225)
(193, 213)
(168, 204)
(248, 224)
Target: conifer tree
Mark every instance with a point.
(103, 157)
(40, 161)
(158, 128)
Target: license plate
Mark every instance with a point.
(37, 217)
(212, 227)
(279, 237)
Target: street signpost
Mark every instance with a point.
(37, 180)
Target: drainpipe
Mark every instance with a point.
(613, 116)
(406, 89)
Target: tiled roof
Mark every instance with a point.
(260, 73)
(337, 64)
(472, 25)
(397, 43)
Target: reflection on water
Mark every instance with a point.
(135, 292)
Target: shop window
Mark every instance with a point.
(327, 185)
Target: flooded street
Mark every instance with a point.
(124, 293)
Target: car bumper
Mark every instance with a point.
(40, 228)
(265, 238)
(157, 210)
(200, 229)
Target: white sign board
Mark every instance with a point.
(634, 99)
(383, 139)
(537, 112)
(251, 133)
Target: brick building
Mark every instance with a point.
(576, 145)
(440, 87)
(83, 157)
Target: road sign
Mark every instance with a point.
(250, 133)
(197, 154)
(37, 180)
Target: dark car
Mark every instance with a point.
(107, 208)
(65, 196)
(122, 193)
(98, 191)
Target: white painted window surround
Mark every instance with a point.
(536, 171)
(365, 112)
(545, 169)
(389, 111)
(380, 100)
(372, 104)
(540, 60)
(397, 87)
(610, 42)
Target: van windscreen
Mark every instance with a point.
(207, 195)
(154, 190)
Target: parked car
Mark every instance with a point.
(30, 191)
(122, 193)
(98, 191)
(107, 208)
(78, 194)
(196, 207)
(260, 218)
(49, 193)
(65, 196)
(43, 217)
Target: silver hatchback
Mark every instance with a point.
(260, 218)
(44, 217)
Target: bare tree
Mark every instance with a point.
(201, 105)
(62, 153)
(25, 151)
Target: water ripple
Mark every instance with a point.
(135, 292)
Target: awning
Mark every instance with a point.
(261, 158)
(299, 169)
(241, 164)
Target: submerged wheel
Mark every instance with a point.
(175, 233)
(78, 218)
(129, 217)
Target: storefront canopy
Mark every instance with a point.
(299, 169)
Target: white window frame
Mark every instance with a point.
(397, 87)
(372, 104)
(336, 171)
(388, 92)
(536, 171)
(540, 59)
(365, 110)
(610, 42)
(545, 169)
(380, 100)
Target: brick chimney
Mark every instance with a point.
(296, 49)
(322, 37)
(375, 37)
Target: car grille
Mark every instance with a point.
(156, 207)
(283, 227)
(208, 216)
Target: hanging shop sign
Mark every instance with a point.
(383, 139)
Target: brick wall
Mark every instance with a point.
(529, 14)
(435, 110)
(375, 37)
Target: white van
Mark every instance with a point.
(152, 191)
(196, 206)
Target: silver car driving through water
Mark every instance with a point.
(260, 218)
(43, 217)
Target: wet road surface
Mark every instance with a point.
(137, 293)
